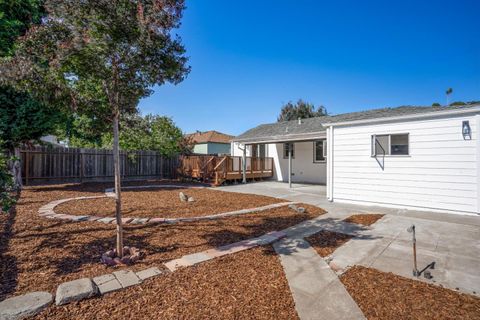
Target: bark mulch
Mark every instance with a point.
(364, 219)
(245, 285)
(326, 242)
(382, 295)
(165, 203)
(38, 253)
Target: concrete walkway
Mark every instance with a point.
(451, 241)
(316, 289)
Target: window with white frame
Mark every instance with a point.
(286, 148)
(319, 150)
(390, 144)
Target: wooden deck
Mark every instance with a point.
(227, 168)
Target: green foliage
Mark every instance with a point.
(16, 16)
(436, 104)
(151, 132)
(301, 109)
(91, 54)
(6, 181)
(23, 119)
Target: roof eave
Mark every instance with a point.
(405, 117)
(283, 138)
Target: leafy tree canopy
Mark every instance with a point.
(151, 132)
(301, 109)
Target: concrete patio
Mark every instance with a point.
(451, 241)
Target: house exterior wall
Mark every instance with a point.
(303, 167)
(211, 148)
(216, 148)
(200, 148)
(441, 171)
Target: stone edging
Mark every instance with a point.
(31, 304)
(48, 211)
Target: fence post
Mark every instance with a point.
(27, 164)
(82, 165)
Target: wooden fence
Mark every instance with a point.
(62, 165)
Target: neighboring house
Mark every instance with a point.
(210, 142)
(53, 140)
(410, 157)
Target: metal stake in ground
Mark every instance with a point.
(416, 273)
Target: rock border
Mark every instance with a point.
(85, 288)
(48, 210)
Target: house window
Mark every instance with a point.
(320, 151)
(286, 148)
(390, 144)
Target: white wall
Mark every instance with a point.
(441, 172)
(303, 167)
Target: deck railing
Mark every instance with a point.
(223, 168)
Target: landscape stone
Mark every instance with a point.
(75, 291)
(183, 197)
(191, 199)
(148, 273)
(107, 283)
(24, 306)
(127, 278)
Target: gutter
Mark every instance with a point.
(406, 117)
(289, 138)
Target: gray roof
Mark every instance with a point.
(315, 127)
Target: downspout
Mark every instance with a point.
(330, 163)
(290, 165)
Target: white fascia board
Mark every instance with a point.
(290, 138)
(417, 116)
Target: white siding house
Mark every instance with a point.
(439, 172)
(409, 157)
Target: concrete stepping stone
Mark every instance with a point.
(149, 273)
(127, 278)
(24, 306)
(106, 220)
(75, 291)
(107, 283)
(316, 289)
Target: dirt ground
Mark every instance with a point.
(364, 219)
(38, 253)
(326, 242)
(246, 285)
(382, 295)
(165, 203)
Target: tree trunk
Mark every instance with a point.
(16, 168)
(118, 197)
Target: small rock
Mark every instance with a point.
(297, 209)
(24, 306)
(191, 199)
(183, 197)
(75, 291)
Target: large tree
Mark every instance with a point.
(22, 118)
(301, 109)
(91, 51)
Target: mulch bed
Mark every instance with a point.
(38, 253)
(364, 219)
(246, 285)
(165, 203)
(382, 295)
(326, 242)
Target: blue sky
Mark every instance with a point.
(248, 58)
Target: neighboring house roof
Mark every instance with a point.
(315, 127)
(210, 136)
